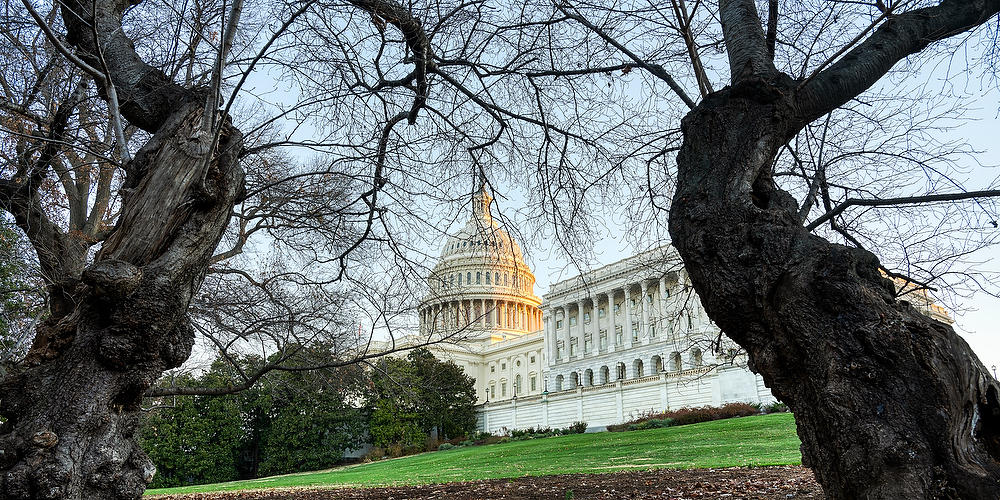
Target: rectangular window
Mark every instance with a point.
(479, 278)
(503, 366)
(487, 278)
(632, 301)
(559, 323)
(572, 321)
(586, 345)
(459, 278)
(618, 308)
(652, 330)
(532, 359)
(533, 384)
(503, 389)
(586, 317)
(604, 340)
(635, 333)
(618, 336)
(600, 313)
(493, 369)
(493, 391)
(649, 298)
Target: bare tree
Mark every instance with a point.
(575, 103)
(816, 151)
(889, 403)
(132, 183)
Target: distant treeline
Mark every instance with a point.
(292, 421)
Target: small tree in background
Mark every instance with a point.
(20, 298)
(193, 439)
(414, 396)
(314, 419)
(446, 395)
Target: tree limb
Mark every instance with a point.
(910, 200)
(900, 36)
(745, 42)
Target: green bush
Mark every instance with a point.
(445, 446)
(775, 407)
(686, 416)
(578, 428)
(467, 442)
(653, 423)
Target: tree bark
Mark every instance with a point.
(72, 417)
(71, 414)
(889, 403)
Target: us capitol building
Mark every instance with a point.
(601, 347)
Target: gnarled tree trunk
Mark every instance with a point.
(72, 414)
(889, 403)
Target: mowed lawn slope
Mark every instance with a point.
(758, 441)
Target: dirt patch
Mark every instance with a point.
(734, 483)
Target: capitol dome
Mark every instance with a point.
(481, 283)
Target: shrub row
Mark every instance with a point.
(484, 438)
(685, 416)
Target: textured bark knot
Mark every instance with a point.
(45, 439)
(115, 278)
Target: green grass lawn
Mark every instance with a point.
(756, 441)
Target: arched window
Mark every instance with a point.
(459, 278)
(620, 371)
(657, 364)
(637, 368)
(559, 382)
(468, 277)
(675, 362)
(605, 375)
(517, 385)
(479, 277)
(503, 388)
(487, 278)
(574, 380)
(588, 377)
(696, 360)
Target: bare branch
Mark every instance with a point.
(909, 200)
(655, 70)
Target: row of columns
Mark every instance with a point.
(506, 314)
(566, 334)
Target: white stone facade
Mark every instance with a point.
(602, 347)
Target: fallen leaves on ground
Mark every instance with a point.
(737, 483)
